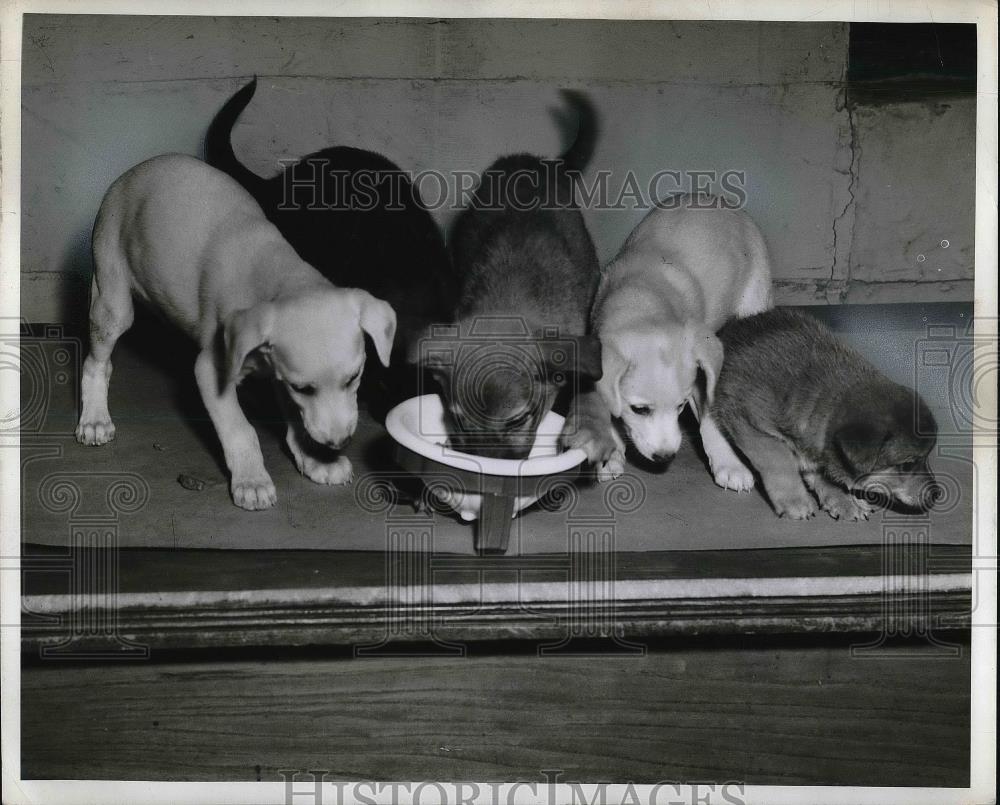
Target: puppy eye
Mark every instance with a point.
(907, 466)
(352, 379)
(306, 389)
(641, 410)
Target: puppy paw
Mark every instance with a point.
(599, 445)
(795, 507)
(613, 468)
(95, 432)
(847, 507)
(331, 473)
(254, 493)
(733, 475)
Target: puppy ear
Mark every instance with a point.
(245, 331)
(435, 353)
(860, 443)
(613, 364)
(708, 353)
(378, 319)
(442, 376)
(414, 355)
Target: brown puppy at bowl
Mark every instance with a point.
(811, 414)
(527, 274)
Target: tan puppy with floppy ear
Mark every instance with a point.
(683, 272)
(192, 243)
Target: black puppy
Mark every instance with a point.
(803, 407)
(528, 272)
(357, 218)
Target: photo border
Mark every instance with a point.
(983, 640)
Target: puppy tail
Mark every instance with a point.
(578, 155)
(218, 142)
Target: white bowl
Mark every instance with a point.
(418, 424)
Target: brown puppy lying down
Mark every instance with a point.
(811, 414)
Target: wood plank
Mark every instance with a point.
(182, 599)
(766, 712)
(143, 631)
(46, 569)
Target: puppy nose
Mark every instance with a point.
(932, 494)
(337, 444)
(659, 458)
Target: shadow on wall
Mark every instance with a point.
(73, 291)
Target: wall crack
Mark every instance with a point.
(839, 287)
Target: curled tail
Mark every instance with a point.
(578, 155)
(218, 142)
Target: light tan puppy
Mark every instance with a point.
(683, 272)
(193, 244)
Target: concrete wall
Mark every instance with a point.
(848, 199)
